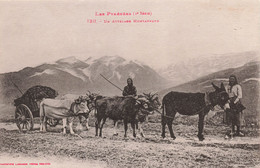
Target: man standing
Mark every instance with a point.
(130, 89)
(235, 114)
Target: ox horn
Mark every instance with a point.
(142, 99)
(149, 94)
(95, 95)
(88, 93)
(77, 101)
(137, 101)
(154, 96)
(146, 95)
(85, 97)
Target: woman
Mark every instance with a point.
(130, 89)
(235, 114)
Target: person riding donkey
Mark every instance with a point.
(235, 113)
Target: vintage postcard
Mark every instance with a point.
(171, 83)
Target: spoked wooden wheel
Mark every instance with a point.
(52, 122)
(24, 118)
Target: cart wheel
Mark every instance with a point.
(24, 118)
(52, 122)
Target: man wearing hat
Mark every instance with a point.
(130, 89)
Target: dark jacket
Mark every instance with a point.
(129, 91)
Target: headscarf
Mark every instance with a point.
(235, 82)
(233, 76)
(130, 80)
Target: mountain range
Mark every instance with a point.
(71, 75)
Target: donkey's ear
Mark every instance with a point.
(222, 86)
(215, 87)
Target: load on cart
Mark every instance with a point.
(27, 106)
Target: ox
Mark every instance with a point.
(191, 104)
(121, 108)
(142, 116)
(62, 109)
(82, 116)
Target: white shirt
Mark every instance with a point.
(236, 91)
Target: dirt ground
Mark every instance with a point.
(116, 151)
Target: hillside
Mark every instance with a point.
(192, 69)
(248, 77)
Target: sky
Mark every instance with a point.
(34, 32)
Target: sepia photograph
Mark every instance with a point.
(107, 84)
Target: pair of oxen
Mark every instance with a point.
(129, 109)
(135, 109)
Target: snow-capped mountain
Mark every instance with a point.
(185, 71)
(71, 75)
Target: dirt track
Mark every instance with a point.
(152, 151)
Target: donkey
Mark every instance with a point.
(191, 104)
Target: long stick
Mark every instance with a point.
(15, 85)
(111, 82)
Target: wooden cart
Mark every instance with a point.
(27, 107)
